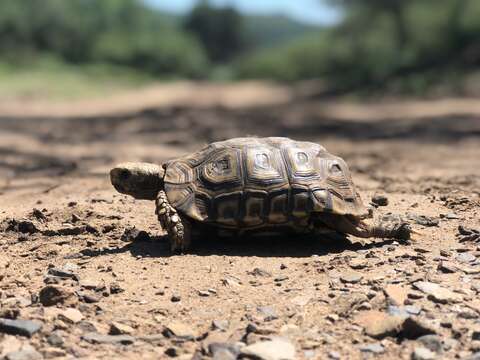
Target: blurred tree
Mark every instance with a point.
(371, 10)
(124, 32)
(219, 29)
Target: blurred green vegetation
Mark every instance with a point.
(400, 46)
(403, 46)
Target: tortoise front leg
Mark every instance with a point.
(178, 227)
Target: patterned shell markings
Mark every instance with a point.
(252, 182)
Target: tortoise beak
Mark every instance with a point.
(115, 179)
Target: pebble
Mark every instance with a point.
(55, 339)
(96, 338)
(378, 324)
(215, 348)
(396, 294)
(53, 352)
(65, 272)
(358, 264)
(27, 352)
(466, 257)
(51, 295)
(221, 325)
(175, 298)
(423, 220)
(334, 355)
(180, 330)
(26, 227)
(447, 267)
(437, 293)
(115, 288)
(71, 315)
(352, 277)
(431, 342)
(117, 328)
(375, 348)
(260, 272)
(20, 327)
(9, 344)
(268, 312)
(422, 353)
(275, 349)
(133, 234)
(380, 200)
(223, 354)
(414, 327)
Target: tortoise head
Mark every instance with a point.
(140, 180)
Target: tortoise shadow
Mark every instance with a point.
(292, 246)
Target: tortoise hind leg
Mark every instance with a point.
(178, 227)
(354, 226)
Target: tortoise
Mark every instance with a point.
(254, 185)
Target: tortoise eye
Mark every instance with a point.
(335, 168)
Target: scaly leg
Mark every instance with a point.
(351, 225)
(178, 227)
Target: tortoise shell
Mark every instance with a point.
(257, 182)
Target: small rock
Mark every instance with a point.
(437, 293)
(51, 295)
(378, 324)
(260, 272)
(133, 234)
(19, 327)
(447, 267)
(180, 330)
(27, 352)
(117, 328)
(352, 277)
(414, 327)
(452, 216)
(26, 227)
(53, 353)
(431, 342)
(92, 284)
(9, 344)
(115, 288)
(422, 353)
(423, 220)
(64, 273)
(476, 334)
(89, 298)
(380, 200)
(223, 354)
(55, 339)
(268, 312)
(413, 310)
(218, 348)
(334, 355)
(37, 214)
(221, 325)
(175, 298)
(275, 349)
(396, 294)
(358, 264)
(375, 348)
(466, 257)
(203, 293)
(96, 338)
(71, 315)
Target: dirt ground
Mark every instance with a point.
(70, 260)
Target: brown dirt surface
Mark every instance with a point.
(62, 226)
